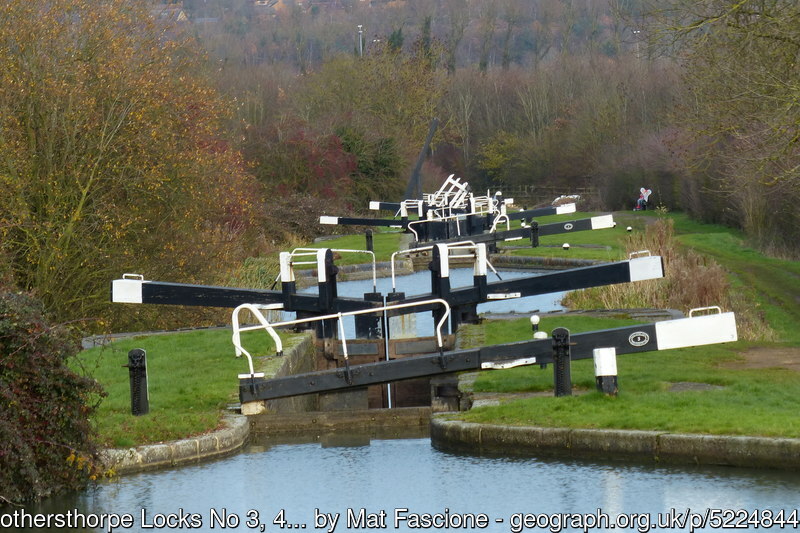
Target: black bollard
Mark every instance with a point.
(561, 362)
(534, 234)
(370, 247)
(137, 371)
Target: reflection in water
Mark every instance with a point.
(279, 483)
(303, 482)
(422, 324)
(420, 283)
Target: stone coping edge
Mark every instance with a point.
(216, 444)
(648, 446)
(213, 445)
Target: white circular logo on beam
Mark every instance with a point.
(568, 226)
(638, 338)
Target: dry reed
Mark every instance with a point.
(690, 281)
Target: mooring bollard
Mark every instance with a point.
(561, 362)
(370, 247)
(534, 234)
(137, 372)
(537, 334)
(605, 370)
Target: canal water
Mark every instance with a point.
(420, 283)
(358, 484)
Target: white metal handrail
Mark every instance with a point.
(437, 219)
(255, 310)
(497, 220)
(716, 308)
(459, 245)
(640, 253)
(300, 252)
(374, 264)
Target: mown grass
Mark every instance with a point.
(599, 245)
(748, 402)
(192, 377)
(193, 374)
(385, 243)
(527, 379)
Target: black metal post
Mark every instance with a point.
(328, 292)
(370, 326)
(137, 372)
(561, 362)
(534, 234)
(370, 247)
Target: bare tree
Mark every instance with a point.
(458, 19)
(488, 23)
(740, 65)
(512, 15)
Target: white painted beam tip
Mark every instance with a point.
(127, 291)
(603, 222)
(642, 268)
(696, 331)
(564, 209)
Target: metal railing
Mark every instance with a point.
(300, 252)
(256, 309)
(461, 245)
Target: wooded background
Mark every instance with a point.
(176, 141)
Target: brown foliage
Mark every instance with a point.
(690, 281)
(113, 157)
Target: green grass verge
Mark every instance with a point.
(192, 377)
(773, 285)
(193, 374)
(769, 285)
(748, 402)
(384, 245)
(599, 245)
(504, 331)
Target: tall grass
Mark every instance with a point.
(690, 281)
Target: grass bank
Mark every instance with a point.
(193, 374)
(708, 389)
(693, 390)
(192, 378)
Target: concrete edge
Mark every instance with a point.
(216, 444)
(647, 446)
